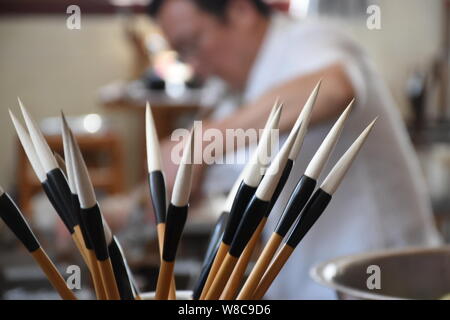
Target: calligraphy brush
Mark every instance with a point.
(297, 201)
(55, 176)
(38, 168)
(176, 219)
(14, 219)
(100, 291)
(253, 215)
(302, 121)
(312, 211)
(251, 177)
(157, 184)
(122, 273)
(93, 221)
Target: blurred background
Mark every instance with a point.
(101, 76)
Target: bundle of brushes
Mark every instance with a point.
(67, 184)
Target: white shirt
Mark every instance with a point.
(382, 202)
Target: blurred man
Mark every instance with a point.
(261, 55)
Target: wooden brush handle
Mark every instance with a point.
(53, 274)
(81, 246)
(160, 228)
(164, 280)
(238, 273)
(108, 279)
(273, 271)
(100, 291)
(260, 267)
(223, 276)
(220, 256)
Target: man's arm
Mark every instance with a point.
(335, 93)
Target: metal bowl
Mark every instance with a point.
(413, 273)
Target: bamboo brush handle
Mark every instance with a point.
(81, 248)
(223, 276)
(53, 274)
(164, 280)
(109, 280)
(238, 273)
(100, 291)
(220, 256)
(160, 228)
(260, 267)
(273, 271)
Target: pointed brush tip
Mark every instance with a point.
(372, 124)
(318, 84)
(11, 114)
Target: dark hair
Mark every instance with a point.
(214, 7)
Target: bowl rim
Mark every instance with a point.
(317, 271)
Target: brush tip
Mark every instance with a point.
(83, 184)
(337, 173)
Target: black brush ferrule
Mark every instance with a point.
(120, 270)
(254, 214)
(14, 219)
(241, 200)
(158, 195)
(94, 226)
(313, 210)
(77, 212)
(176, 219)
(57, 205)
(300, 196)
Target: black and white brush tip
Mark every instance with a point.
(155, 172)
(35, 162)
(313, 210)
(307, 182)
(260, 202)
(93, 220)
(250, 179)
(320, 199)
(57, 180)
(68, 154)
(90, 212)
(178, 207)
(176, 218)
(254, 214)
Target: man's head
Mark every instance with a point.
(217, 37)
